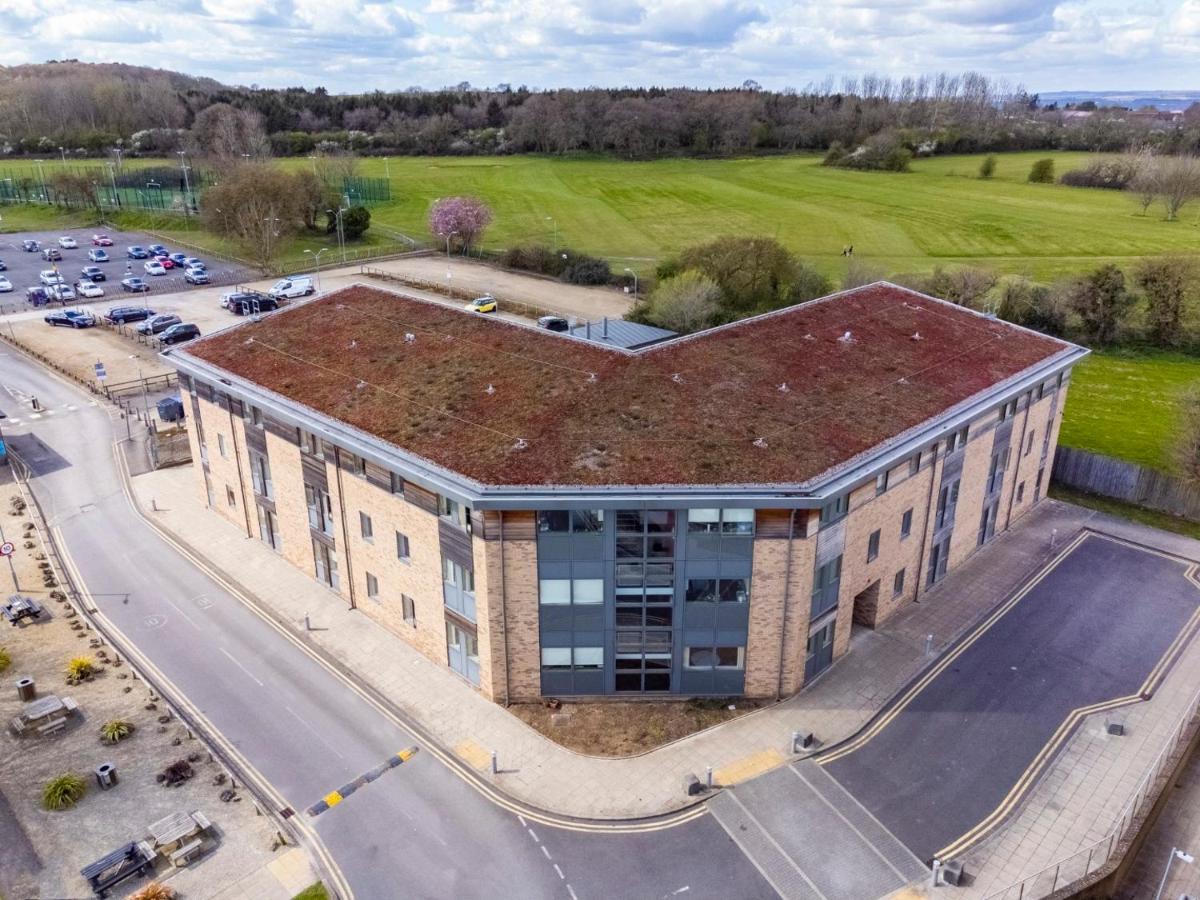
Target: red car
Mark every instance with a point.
(101, 240)
(165, 260)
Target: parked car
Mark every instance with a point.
(158, 323)
(49, 277)
(196, 276)
(178, 333)
(93, 273)
(68, 243)
(101, 240)
(3, 266)
(120, 315)
(89, 289)
(99, 255)
(292, 287)
(484, 304)
(554, 323)
(233, 298)
(52, 254)
(157, 249)
(165, 262)
(5, 285)
(136, 252)
(30, 246)
(61, 292)
(134, 284)
(252, 304)
(73, 318)
(179, 260)
(36, 296)
(154, 267)
(193, 261)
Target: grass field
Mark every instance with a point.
(638, 212)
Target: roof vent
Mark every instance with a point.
(592, 379)
(783, 388)
(847, 338)
(353, 344)
(917, 336)
(409, 337)
(521, 444)
(760, 443)
(809, 337)
(361, 385)
(902, 380)
(340, 306)
(677, 378)
(490, 390)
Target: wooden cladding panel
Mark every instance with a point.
(281, 431)
(520, 525)
(313, 471)
(456, 544)
(421, 498)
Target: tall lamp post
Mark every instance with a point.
(1176, 853)
(555, 221)
(317, 261)
(447, 236)
(634, 274)
(187, 186)
(340, 232)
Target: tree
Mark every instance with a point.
(1042, 172)
(688, 302)
(459, 220)
(1103, 303)
(859, 272)
(223, 131)
(987, 168)
(1144, 184)
(258, 205)
(583, 269)
(1187, 446)
(965, 286)
(355, 222)
(1166, 282)
(755, 274)
(1178, 182)
(73, 189)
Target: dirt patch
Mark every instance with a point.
(49, 848)
(622, 729)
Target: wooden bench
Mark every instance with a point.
(52, 726)
(186, 853)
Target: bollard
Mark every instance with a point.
(1053, 537)
(307, 623)
(708, 777)
(928, 644)
(495, 765)
(795, 741)
(937, 865)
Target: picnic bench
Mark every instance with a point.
(180, 836)
(45, 715)
(18, 608)
(132, 859)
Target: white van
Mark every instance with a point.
(292, 287)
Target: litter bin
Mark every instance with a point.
(26, 689)
(106, 775)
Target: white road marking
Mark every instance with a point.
(532, 835)
(559, 871)
(35, 415)
(545, 851)
(521, 819)
(234, 660)
(321, 738)
(185, 615)
(571, 891)
(686, 887)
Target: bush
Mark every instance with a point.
(116, 730)
(987, 168)
(884, 152)
(63, 792)
(1042, 172)
(1115, 174)
(154, 891)
(536, 258)
(355, 222)
(688, 302)
(79, 668)
(5, 659)
(586, 270)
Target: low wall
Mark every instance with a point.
(1121, 480)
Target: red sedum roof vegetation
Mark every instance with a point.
(686, 412)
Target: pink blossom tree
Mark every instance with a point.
(459, 220)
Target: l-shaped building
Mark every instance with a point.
(711, 515)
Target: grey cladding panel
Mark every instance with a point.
(313, 470)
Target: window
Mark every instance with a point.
(308, 442)
(721, 521)
(588, 657)
(1021, 492)
(1008, 410)
(898, 584)
(563, 591)
(453, 512)
(906, 524)
(268, 529)
(947, 501)
(320, 509)
(396, 483)
(715, 658)
(571, 521)
(360, 466)
(563, 659)
(230, 497)
(1041, 390)
(1037, 485)
(958, 440)
(408, 609)
(646, 534)
(556, 659)
(718, 590)
(366, 527)
(914, 464)
(372, 587)
(835, 510)
(996, 472)
(826, 581)
(256, 416)
(873, 545)
(881, 483)
(221, 446)
(260, 474)
(459, 576)
(325, 564)
(1029, 443)
(402, 547)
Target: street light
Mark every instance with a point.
(63, 151)
(317, 259)
(387, 168)
(1176, 853)
(447, 237)
(187, 187)
(145, 397)
(341, 232)
(634, 274)
(113, 178)
(555, 221)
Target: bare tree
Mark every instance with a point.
(688, 302)
(223, 131)
(1179, 182)
(1144, 183)
(1187, 443)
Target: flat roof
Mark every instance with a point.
(777, 399)
(620, 333)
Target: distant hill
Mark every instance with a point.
(1169, 100)
(71, 69)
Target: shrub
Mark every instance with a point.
(5, 659)
(80, 668)
(1042, 172)
(987, 168)
(586, 270)
(688, 302)
(355, 222)
(154, 891)
(1115, 174)
(536, 258)
(63, 792)
(116, 730)
(883, 152)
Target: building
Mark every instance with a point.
(712, 515)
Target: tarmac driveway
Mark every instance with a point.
(956, 752)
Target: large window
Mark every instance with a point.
(320, 509)
(565, 659)
(643, 661)
(835, 510)
(260, 474)
(826, 583)
(946, 504)
(268, 529)
(571, 521)
(721, 521)
(715, 658)
(565, 591)
(645, 595)
(459, 576)
(453, 512)
(718, 590)
(458, 588)
(325, 562)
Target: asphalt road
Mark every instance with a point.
(1092, 630)
(418, 831)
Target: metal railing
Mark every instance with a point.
(1092, 859)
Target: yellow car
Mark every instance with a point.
(484, 304)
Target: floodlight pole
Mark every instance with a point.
(187, 187)
(635, 281)
(1176, 853)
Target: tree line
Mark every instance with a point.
(87, 109)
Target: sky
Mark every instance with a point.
(359, 45)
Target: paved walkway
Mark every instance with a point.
(1178, 826)
(546, 775)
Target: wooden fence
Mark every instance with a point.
(1108, 477)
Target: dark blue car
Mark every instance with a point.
(136, 252)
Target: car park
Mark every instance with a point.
(49, 277)
(88, 289)
(72, 318)
(158, 323)
(5, 285)
(177, 334)
(120, 315)
(101, 240)
(154, 267)
(60, 292)
(52, 254)
(484, 304)
(93, 273)
(134, 284)
(68, 243)
(554, 323)
(99, 255)
(30, 246)
(196, 276)
(136, 252)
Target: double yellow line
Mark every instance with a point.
(452, 763)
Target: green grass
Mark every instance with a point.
(1124, 405)
(638, 212)
(313, 892)
(1129, 511)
